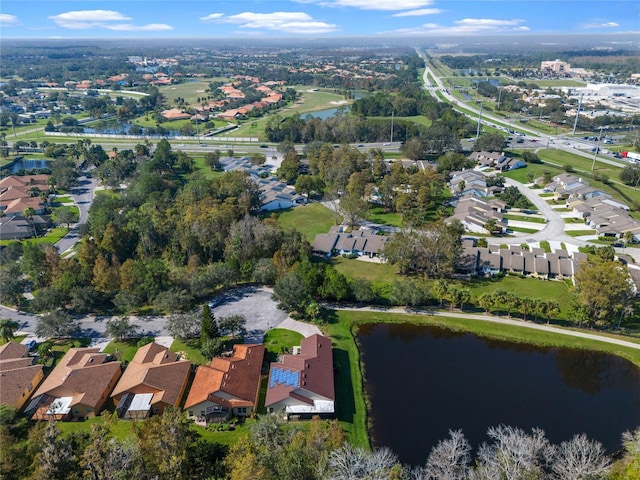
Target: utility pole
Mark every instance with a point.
(479, 121)
(575, 124)
(595, 155)
(392, 112)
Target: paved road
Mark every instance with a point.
(82, 195)
(488, 118)
(254, 303)
(493, 319)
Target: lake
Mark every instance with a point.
(423, 381)
(23, 164)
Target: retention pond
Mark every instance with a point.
(423, 381)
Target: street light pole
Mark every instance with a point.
(479, 121)
(595, 155)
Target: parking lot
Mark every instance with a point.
(255, 304)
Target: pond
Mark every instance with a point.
(118, 127)
(423, 381)
(25, 164)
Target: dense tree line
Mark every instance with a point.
(167, 447)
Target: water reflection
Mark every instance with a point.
(423, 381)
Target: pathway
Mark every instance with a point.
(493, 319)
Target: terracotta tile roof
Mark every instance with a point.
(311, 371)
(83, 374)
(230, 382)
(154, 369)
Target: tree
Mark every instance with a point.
(602, 293)
(184, 325)
(208, 325)
(211, 347)
(362, 290)
(164, 442)
(580, 459)
(486, 302)
(291, 293)
(351, 462)
(450, 458)
(57, 324)
(55, 459)
(513, 454)
(29, 213)
(121, 328)
(65, 214)
(233, 324)
(489, 142)
(8, 328)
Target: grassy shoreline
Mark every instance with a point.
(343, 326)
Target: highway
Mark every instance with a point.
(559, 142)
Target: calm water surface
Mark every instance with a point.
(424, 381)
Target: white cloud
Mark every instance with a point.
(602, 25)
(486, 22)
(213, 16)
(386, 5)
(85, 19)
(287, 22)
(151, 27)
(466, 26)
(419, 13)
(7, 20)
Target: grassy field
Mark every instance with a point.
(563, 82)
(378, 215)
(374, 272)
(190, 91)
(310, 220)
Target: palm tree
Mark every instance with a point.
(28, 214)
(7, 329)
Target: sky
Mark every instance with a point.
(312, 18)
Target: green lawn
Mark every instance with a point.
(310, 220)
(191, 349)
(124, 351)
(523, 287)
(579, 233)
(190, 91)
(279, 340)
(52, 236)
(374, 272)
(523, 230)
(524, 218)
(378, 215)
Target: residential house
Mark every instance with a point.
(175, 114)
(228, 386)
(19, 377)
(77, 388)
(474, 213)
(361, 242)
(537, 263)
(154, 379)
(497, 161)
(301, 385)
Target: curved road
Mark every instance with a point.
(82, 195)
(486, 116)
